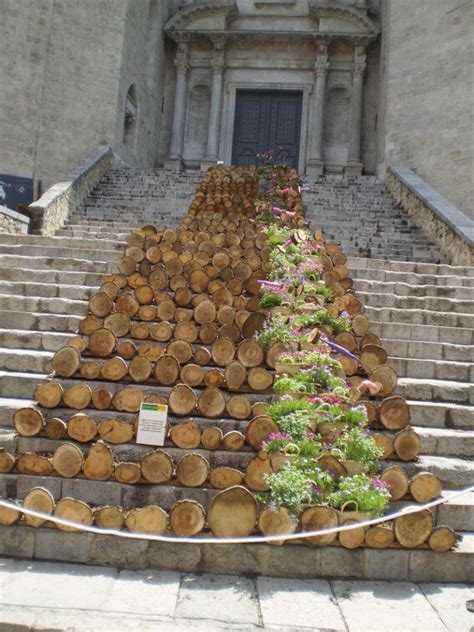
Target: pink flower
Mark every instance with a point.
(372, 387)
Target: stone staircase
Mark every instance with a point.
(421, 310)
(360, 215)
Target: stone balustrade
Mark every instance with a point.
(443, 223)
(50, 212)
(12, 222)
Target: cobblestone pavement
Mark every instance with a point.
(55, 596)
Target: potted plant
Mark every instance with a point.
(360, 452)
(360, 498)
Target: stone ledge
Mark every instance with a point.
(59, 201)
(12, 222)
(289, 560)
(450, 229)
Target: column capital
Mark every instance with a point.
(360, 60)
(321, 62)
(182, 51)
(217, 62)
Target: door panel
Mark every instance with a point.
(266, 121)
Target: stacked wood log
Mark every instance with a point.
(176, 325)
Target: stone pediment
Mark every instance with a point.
(319, 16)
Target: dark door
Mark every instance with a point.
(266, 121)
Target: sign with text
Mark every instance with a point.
(152, 424)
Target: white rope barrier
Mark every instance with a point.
(243, 540)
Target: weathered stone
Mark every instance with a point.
(17, 541)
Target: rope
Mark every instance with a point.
(243, 540)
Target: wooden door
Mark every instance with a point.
(266, 121)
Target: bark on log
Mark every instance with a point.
(7, 461)
(28, 422)
(129, 473)
(81, 428)
(157, 467)
(99, 464)
(257, 471)
(187, 518)
(186, 435)
(109, 517)
(192, 470)
(394, 413)
(79, 396)
(49, 394)
(442, 539)
(150, 519)
(38, 499)
(68, 460)
(398, 480)
(182, 400)
(316, 518)
(66, 361)
(74, 511)
(412, 530)
(425, 487)
(232, 513)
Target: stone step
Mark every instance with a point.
(57, 242)
(420, 317)
(423, 389)
(57, 277)
(380, 288)
(46, 290)
(458, 513)
(55, 306)
(454, 472)
(408, 266)
(412, 349)
(56, 264)
(362, 275)
(20, 339)
(289, 560)
(441, 415)
(434, 441)
(39, 321)
(433, 369)
(429, 333)
(53, 252)
(430, 303)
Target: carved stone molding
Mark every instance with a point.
(185, 16)
(218, 54)
(360, 60)
(324, 9)
(321, 64)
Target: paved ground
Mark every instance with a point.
(54, 596)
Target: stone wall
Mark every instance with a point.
(50, 212)
(427, 93)
(12, 222)
(444, 224)
(68, 66)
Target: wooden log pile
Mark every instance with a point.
(176, 325)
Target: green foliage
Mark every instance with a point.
(296, 424)
(283, 407)
(288, 489)
(275, 331)
(358, 445)
(310, 381)
(370, 495)
(271, 300)
(322, 317)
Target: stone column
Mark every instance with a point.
(354, 164)
(174, 160)
(215, 112)
(315, 165)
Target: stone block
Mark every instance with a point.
(96, 492)
(171, 556)
(229, 558)
(115, 551)
(26, 483)
(454, 566)
(54, 544)
(288, 561)
(17, 541)
(340, 562)
(387, 564)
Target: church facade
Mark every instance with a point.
(342, 87)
